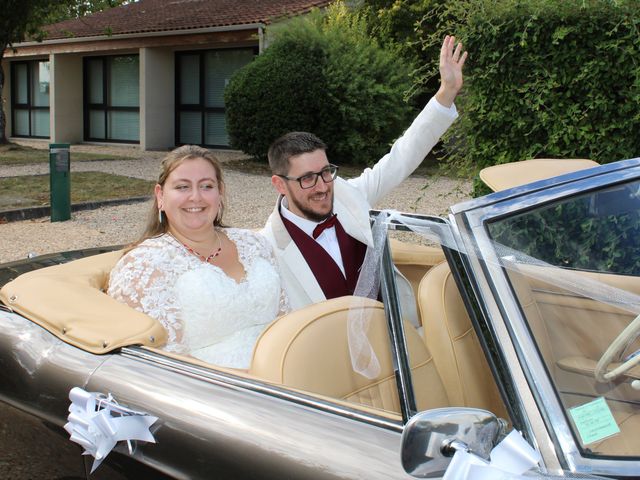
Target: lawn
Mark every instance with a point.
(13, 154)
(32, 191)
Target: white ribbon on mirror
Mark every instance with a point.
(510, 459)
(92, 424)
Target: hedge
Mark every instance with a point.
(545, 79)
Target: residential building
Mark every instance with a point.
(152, 72)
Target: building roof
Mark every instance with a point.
(145, 16)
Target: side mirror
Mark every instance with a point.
(430, 438)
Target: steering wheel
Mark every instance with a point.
(617, 347)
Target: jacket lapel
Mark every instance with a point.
(292, 260)
(353, 213)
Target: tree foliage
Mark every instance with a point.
(80, 8)
(545, 78)
(19, 19)
(323, 74)
(594, 231)
(400, 25)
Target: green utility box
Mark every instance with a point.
(60, 181)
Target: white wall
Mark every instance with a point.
(66, 98)
(157, 98)
(6, 97)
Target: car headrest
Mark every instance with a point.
(509, 175)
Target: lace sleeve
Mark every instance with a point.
(265, 250)
(144, 282)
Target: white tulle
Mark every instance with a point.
(206, 313)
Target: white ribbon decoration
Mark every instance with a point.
(363, 358)
(91, 424)
(510, 459)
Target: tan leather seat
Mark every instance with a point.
(454, 344)
(509, 175)
(308, 349)
(413, 260)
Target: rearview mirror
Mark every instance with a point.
(430, 438)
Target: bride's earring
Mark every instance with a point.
(218, 218)
(160, 216)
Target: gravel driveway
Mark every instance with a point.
(250, 201)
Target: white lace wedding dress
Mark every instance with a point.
(206, 313)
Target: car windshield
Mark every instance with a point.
(577, 282)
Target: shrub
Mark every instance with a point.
(322, 74)
(557, 79)
(398, 24)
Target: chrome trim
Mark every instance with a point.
(518, 336)
(232, 381)
(535, 197)
(406, 227)
(399, 350)
(631, 356)
(487, 334)
(432, 437)
(212, 429)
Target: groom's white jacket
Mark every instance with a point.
(354, 198)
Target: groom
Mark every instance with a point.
(320, 227)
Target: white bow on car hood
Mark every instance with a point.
(92, 424)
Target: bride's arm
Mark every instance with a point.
(142, 280)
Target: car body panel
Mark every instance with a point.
(230, 431)
(233, 431)
(35, 395)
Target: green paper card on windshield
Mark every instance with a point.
(594, 421)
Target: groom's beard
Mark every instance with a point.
(310, 214)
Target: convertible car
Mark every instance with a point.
(519, 312)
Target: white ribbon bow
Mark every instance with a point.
(510, 459)
(92, 425)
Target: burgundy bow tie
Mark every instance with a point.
(327, 223)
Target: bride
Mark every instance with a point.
(214, 289)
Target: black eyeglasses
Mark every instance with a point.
(309, 180)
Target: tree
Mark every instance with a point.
(23, 19)
(323, 74)
(81, 8)
(400, 24)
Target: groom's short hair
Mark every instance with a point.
(289, 145)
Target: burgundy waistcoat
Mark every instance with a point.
(324, 268)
